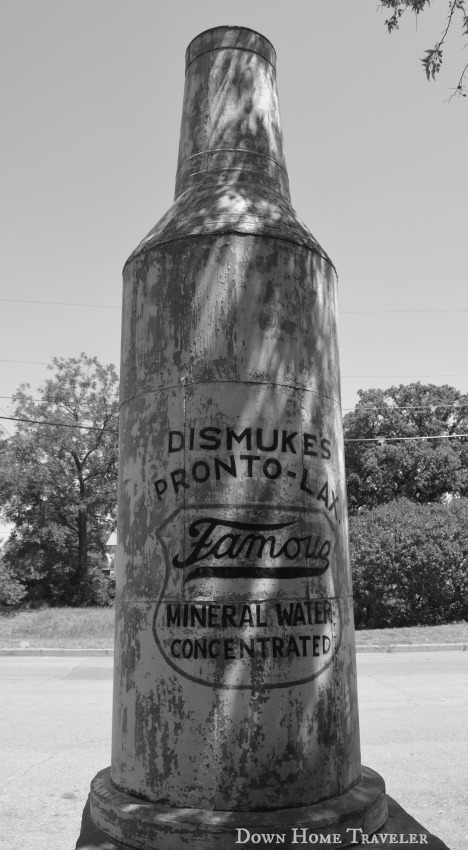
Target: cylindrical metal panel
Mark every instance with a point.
(235, 681)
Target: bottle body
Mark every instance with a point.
(235, 678)
(235, 681)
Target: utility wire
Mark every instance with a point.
(117, 307)
(346, 439)
(60, 303)
(385, 439)
(35, 362)
(380, 408)
(59, 424)
(40, 399)
(383, 408)
(414, 375)
(349, 312)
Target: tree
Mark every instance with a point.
(58, 482)
(432, 61)
(423, 470)
(410, 564)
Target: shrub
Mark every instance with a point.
(12, 591)
(410, 564)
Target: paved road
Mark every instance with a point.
(55, 720)
(414, 732)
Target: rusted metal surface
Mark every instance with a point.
(235, 681)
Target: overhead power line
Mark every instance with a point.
(378, 408)
(118, 307)
(452, 310)
(414, 375)
(59, 424)
(61, 303)
(346, 439)
(34, 362)
(41, 399)
(387, 408)
(386, 439)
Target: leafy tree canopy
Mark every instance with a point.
(58, 480)
(385, 469)
(433, 58)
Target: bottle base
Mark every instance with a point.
(144, 825)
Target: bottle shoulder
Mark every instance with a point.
(207, 209)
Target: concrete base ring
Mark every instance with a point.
(144, 825)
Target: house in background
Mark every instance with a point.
(111, 546)
(5, 531)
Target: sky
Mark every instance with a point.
(91, 100)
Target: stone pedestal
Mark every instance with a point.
(404, 830)
(145, 825)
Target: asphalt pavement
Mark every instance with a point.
(55, 727)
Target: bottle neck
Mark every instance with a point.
(231, 131)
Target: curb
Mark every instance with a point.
(91, 653)
(56, 651)
(415, 647)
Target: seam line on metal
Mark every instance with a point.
(231, 150)
(231, 381)
(177, 237)
(229, 47)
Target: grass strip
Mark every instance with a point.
(93, 628)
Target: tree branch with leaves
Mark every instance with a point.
(433, 58)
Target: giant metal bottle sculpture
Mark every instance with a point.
(235, 702)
